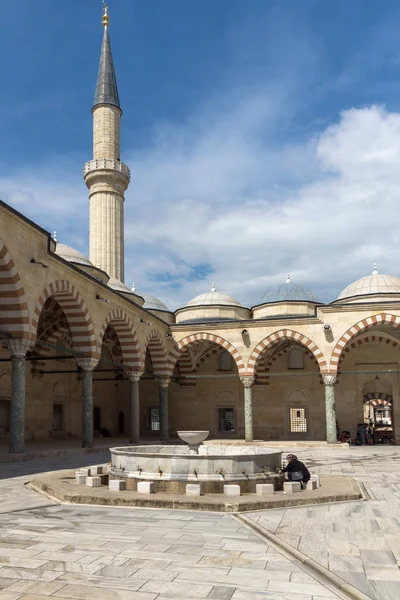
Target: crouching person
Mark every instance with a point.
(296, 471)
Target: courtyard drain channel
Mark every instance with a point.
(335, 583)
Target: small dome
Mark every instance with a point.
(213, 298)
(150, 302)
(72, 255)
(372, 284)
(118, 286)
(288, 291)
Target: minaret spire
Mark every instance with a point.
(106, 176)
(106, 88)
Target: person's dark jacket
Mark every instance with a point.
(296, 466)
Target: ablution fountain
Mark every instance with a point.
(170, 467)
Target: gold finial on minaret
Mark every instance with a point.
(105, 15)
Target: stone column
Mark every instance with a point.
(330, 408)
(248, 407)
(163, 383)
(87, 365)
(134, 408)
(18, 349)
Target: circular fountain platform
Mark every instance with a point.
(170, 467)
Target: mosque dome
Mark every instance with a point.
(287, 292)
(150, 301)
(376, 284)
(213, 298)
(118, 286)
(71, 255)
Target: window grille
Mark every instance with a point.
(298, 420)
(224, 361)
(226, 419)
(296, 359)
(155, 419)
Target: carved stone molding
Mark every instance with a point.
(134, 376)
(329, 379)
(247, 381)
(163, 382)
(87, 364)
(18, 347)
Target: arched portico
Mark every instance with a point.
(278, 337)
(190, 358)
(269, 351)
(120, 352)
(14, 316)
(374, 321)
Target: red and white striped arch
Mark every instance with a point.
(363, 325)
(367, 339)
(156, 347)
(275, 338)
(14, 315)
(264, 365)
(127, 336)
(78, 317)
(178, 349)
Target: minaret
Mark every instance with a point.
(106, 176)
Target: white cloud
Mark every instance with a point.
(225, 194)
(323, 210)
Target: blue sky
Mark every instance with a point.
(262, 136)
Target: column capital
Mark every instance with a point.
(87, 364)
(18, 347)
(247, 381)
(134, 376)
(163, 382)
(329, 379)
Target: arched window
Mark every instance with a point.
(296, 358)
(224, 361)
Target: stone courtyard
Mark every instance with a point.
(63, 551)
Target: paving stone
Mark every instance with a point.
(232, 490)
(291, 487)
(117, 485)
(264, 488)
(193, 489)
(93, 481)
(145, 487)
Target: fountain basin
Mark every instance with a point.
(213, 466)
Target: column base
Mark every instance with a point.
(87, 445)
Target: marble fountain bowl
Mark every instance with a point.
(212, 464)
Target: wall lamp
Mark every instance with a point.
(327, 327)
(37, 262)
(245, 332)
(145, 322)
(101, 299)
(168, 334)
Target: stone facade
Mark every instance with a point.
(67, 316)
(80, 356)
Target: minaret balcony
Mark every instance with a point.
(106, 164)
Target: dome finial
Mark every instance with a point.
(55, 236)
(105, 15)
(288, 280)
(133, 287)
(213, 288)
(375, 271)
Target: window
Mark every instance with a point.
(155, 419)
(96, 418)
(224, 361)
(58, 417)
(296, 358)
(298, 420)
(226, 419)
